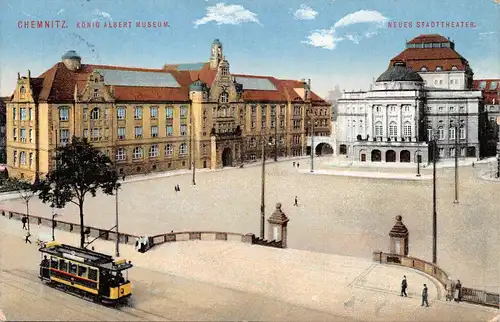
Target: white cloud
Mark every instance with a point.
(305, 13)
(223, 14)
(102, 14)
(361, 16)
(329, 38)
(323, 38)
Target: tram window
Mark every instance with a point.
(82, 271)
(53, 262)
(72, 268)
(92, 274)
(63, 265)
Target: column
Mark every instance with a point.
(400, 125)
(414, 124)
(369, 125)
(384, 122)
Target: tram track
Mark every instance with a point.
(27, 282)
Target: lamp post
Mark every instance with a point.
(262, 200)
(311, 122)
(456, 164)
(53, 225)
(117, 250)
(275, 137)
(434, 211)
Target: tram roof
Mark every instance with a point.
(86, 256)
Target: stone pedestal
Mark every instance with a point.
(398, 238)
(277, 226)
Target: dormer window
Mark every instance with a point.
(96, 80)
(482, 85)
(96, 92)
(224, 71)
(454, 68)
(423, 69)
(439, 68)
(22, 91)
(224, 97)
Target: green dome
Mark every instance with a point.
(399, 72)
(198, 86)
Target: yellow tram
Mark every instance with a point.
(85, 272)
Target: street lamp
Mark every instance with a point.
(275, 136)
(434, 211)
(456, 163)
(312, 123)
(263, 186)
(53, 226)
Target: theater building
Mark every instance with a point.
(425, 94)
(174, 117)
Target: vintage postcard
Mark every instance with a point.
(218, 160)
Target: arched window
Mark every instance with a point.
(169, 149)
(462, 131)
(454, 68)
(253, 142)
(137, 153)
(393, 130)
(94, 114)
(224, 97)
(439, 68)
(423, 69)
(451, 132)
(120, 154)
(429, 133)
(378, 129)
(63, 114)
(183, 148)
(407, 130)
(441, 133)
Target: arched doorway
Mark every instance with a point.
(376, 156)
(390, 156)
(471, 151)
(343, 149)
(227, 157)
(324, 148)
(404, 156)
(308, 150)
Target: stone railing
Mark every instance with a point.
(201, 235)
(468, 294)
(70, 227)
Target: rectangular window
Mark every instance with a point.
(170, 130)
(31, 116)
(138, 113)
(106, 113)
(273, 124)
(14, 113)
(441, 152)
(204, 149)
(273, 110)
(154, 131)
(153, 112)
(452, 152)
(15, 157)
(22, 134)
(282, 124)
(184, 111)
(462, 132)
(22, 158)
(138, 132)
(30, 135)
(169, 112)
(253, 124)
(23, 113)
(121, 133)
(282, 110)
(183, 129)
(85, 133)
(263, 125)
(85, 114)
(263, 110)
(63, 114)
(120, 154)
(254, 110)
(121, 113)
(153, 151)
(14, 134)
(31, 159)
(96, 134)
(64, 136)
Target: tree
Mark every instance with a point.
(25, 189)
(79, 169)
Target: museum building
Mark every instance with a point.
(146, 120)
(425, 95)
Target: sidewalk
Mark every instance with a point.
(376, 175)
(344, 286)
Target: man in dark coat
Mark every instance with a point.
(404, 285)
(424, 296)
(24, 220)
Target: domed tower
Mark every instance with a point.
(72, 60)
(198, 91)
(216, 54)
(398, 76)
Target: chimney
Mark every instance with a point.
(18, 76)
(29, 74)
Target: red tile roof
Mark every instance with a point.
(58, 84)
(446, 58)
(490, 96)
(428, 39)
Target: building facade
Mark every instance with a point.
(3, 139)
(425, 94)
(147, 120)
(491, 114)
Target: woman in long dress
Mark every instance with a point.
(458, 291)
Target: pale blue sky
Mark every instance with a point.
(345, 42)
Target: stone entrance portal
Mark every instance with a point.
(227, 157)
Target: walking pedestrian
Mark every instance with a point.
(458, 291)
(24, 220)
(175, 188)
(424, 296)
(473, 164)
(27, 239)
(298, 165)
(296, 202)
(294, 164)
(123, 178)
(178, 188)
(404, 285)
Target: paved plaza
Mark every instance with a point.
(219, 281)
(336, 214)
